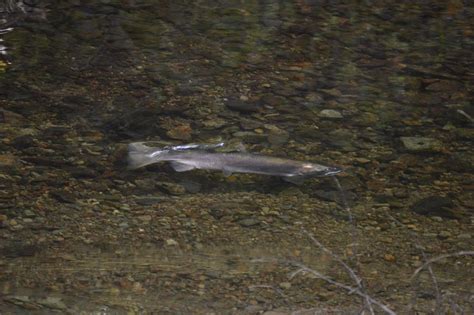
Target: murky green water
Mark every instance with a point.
(383, 90)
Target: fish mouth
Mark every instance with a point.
(329, 171)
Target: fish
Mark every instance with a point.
(202, 156)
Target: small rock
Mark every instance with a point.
(278, 138)
(145, 218)
(151, 200)
(444, 86)
(276, 313)
(250, 137)
(444, 235)
(19, 249)
(332, 92)
(23, 142)
(248, 124)
(249, 222)
(8, 160)
(171, 242)
(29, 214)
(242, 106)
(362, 160)
(22, 301)
(285, 285)
(389, 257)
(82, 172)
(330, 113)
(11, 118)
(53, 303)
(181, 132)
(435, 206)
(145, 184)
(63, 196)
(421, 144)
(274, 100)
(214, 123)
(366, 119)
(123, 225)
(333, 195)
(464, 236)
(171, 188)
(191, 186)
(342, 138)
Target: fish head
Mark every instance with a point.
(310, 169)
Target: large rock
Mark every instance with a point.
(421, 144)
(435, 206)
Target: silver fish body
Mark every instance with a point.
(182, 160)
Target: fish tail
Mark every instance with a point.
(140, 155)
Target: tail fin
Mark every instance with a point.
(140, 155)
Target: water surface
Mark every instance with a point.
(383, 90)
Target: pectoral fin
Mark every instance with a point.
(297, 180)
(181, 167)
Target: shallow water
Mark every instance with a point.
(383, 90)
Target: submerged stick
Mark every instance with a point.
(438, 258)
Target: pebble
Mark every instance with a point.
(191, 186)
(389, 257)
(444, 235)
(242, 106)
(214, 123)
(249, 222)
(279, 138)
(10, 117)
(330, 113)
(145, 218)
(8, 160)
(171, 242)
(285, 285)
(362, 160)
(171, 188)
(3, 218)
(145, 184)
(123, 225)
(151, 200)
(29, 214)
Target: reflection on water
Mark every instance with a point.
(384, 91)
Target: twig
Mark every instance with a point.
(351, 290)
(460, 111)
(346, 207)
(438, 258)
(439, 299)
(349, 270)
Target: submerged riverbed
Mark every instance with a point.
(383, 91)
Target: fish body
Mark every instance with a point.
(193, 157)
